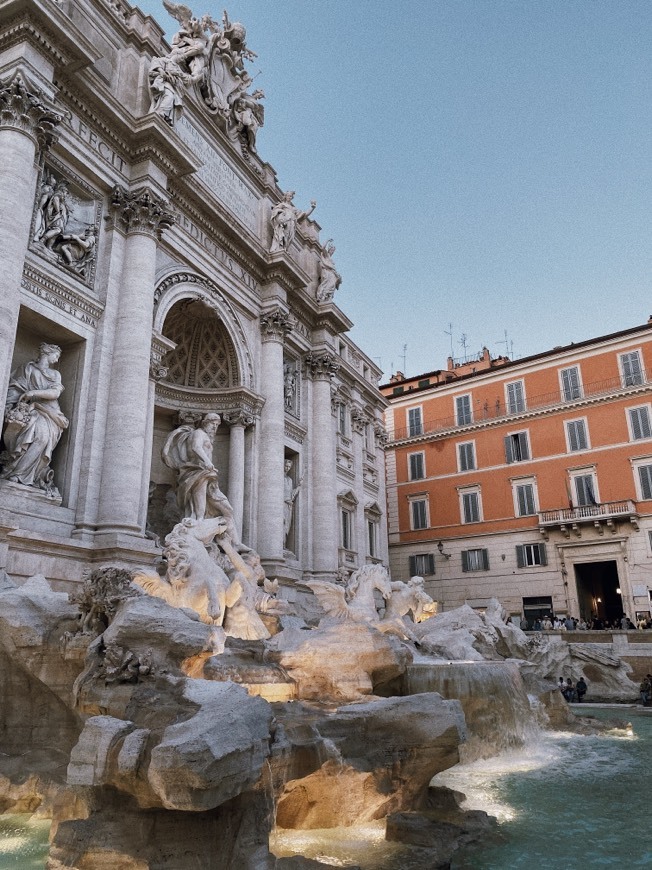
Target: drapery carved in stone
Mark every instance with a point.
(204, 357)
(276, 325)
(27, 109)
(321, 365)
(140, 211)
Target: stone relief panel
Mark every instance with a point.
(66, 221)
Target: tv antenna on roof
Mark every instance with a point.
(449, 333)
(509, 346)
(404, 357)
(464, 344)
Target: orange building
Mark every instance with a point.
(527, 480)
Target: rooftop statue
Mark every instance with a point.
(284, 218)
(329, 278)
(34, 421)
(211, 56)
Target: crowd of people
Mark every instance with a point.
(574, 693)
(570, 623)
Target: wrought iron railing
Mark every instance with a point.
(499, 411)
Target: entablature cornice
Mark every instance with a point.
(230, 400)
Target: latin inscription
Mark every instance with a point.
(90, 137)
(63, 300)
(218, 253)
(216, 174)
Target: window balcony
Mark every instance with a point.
(571, 520)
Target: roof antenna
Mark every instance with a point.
(449, 333)
(404, 357)
(464, 344)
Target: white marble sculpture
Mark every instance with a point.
(194, 579)
(189, 450)
(289, 386)
(290, 493)
(329, 278)
(284, 218)
(34, 422)
(209, 55)
(412, 598)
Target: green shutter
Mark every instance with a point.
(520, 556)
(465, 560)
(509, 449)
(485, 559)
(413, 566)
(542, 554)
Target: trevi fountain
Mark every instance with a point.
(200, 668)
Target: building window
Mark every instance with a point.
(397, 391)
(424, 383)
(466, 456)
(422, 564)
(515, 397)
(470, 504)
(585, 490)
(463, 412)
(415, 424)
(372, 538)
(530, 555)
(576, 435)
(346, 527)
(639, 423)
(475, 560)
(631, 368)
(517, 448)
(417, 466)
(571, 386)
(419, 513)
(645, 481)
(524, 499)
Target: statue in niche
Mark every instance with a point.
(329, 278)
(290, 493)
(289, 386)
(34, 422)
(189, 450)
(211, 56)
(73, 247)
(284, 219)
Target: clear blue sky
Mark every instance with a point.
(484, 163)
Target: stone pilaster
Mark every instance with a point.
(358, 422)
(238, 421)
(28, 123)
(321, 366)
(140, 215)
(275, 326)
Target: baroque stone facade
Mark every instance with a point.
(143, 237)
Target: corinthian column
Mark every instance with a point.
(274, 325)
(321, 366)
(238, 422)
(28, 121)
(140, 216)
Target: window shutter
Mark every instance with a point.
(520, 556)
(431, 563)
(523, 445)
(485, 559)
(572, 436)
(465, 560)
(645, 476)
(542, 554)
(509, 449)
(413, 566)
(636, 424)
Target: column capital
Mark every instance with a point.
(381, 435)
(276, 324)
(239, 417)
(320, 365)
(26, 109)
(140, 211)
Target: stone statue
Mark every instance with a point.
(284, 219)
(329, 279)
(410, 597)
(55, 214)
(211, 56)
(34, 422)
(189, 450)
(166, 81)
(194, 579)
(290, 492)
(289, 385)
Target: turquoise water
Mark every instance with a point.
(568, 802)
(23, 842)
